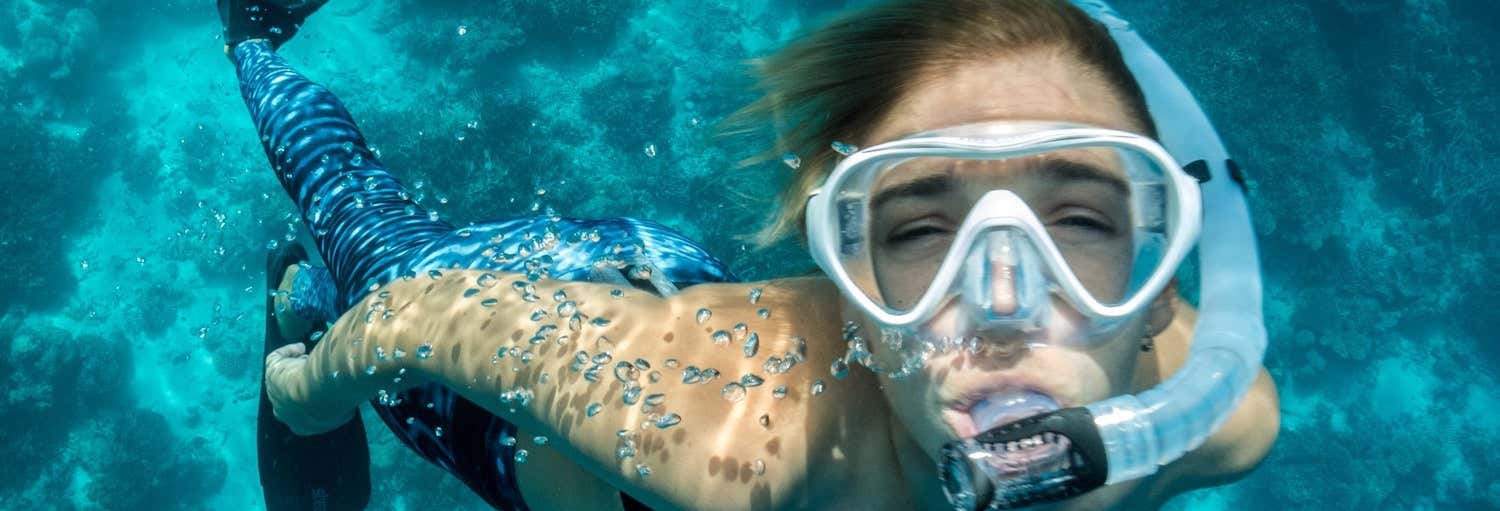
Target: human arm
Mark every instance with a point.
(706, 461)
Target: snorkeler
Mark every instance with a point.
(996, 274)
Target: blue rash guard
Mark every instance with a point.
(369, 232)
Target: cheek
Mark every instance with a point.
(902, 281)
(1119, 357)
(1103, 270)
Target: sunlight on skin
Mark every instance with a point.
(464, 335)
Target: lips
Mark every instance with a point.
(982, 410)
(1007, 407)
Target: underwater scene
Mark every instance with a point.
(140, 206)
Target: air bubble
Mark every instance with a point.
(751, 380)
(668, 420)
(704, 314)
(839, 368)
(626, 373)
(733, 392)
(487, 280)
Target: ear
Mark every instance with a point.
(1163, 308)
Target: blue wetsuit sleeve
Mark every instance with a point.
(362, 220)
(314, 295)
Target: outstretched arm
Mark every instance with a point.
(616, 376)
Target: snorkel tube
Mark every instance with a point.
(1128, 437)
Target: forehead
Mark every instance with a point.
(1097, 166)
(1041, 85)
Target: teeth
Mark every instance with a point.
(1003, 408)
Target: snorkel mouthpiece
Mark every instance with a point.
(1042, 458)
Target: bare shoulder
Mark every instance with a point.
(1235, 449)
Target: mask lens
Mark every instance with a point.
(1103, 209)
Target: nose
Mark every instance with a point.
(1002, 257)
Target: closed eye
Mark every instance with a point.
(1086, 222)
(916, 233)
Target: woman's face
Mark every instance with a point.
(1088, 219)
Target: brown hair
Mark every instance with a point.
(834, 83)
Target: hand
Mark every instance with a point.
(287, 374)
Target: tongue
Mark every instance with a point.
(1008, 407)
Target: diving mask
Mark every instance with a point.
(999, 220)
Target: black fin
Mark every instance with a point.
(274, 20)
(327, 472)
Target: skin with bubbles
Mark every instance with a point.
(579, 370)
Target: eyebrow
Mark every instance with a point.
(1052, 170)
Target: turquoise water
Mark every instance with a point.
(140, 207)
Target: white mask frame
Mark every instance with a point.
(1005, 139)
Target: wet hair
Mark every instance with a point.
(839, 80)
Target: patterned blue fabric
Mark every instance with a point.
(314, 294)
(369, 232)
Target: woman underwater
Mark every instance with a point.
(999, 258)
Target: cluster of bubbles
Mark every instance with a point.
(636, 376)
(564, 323)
